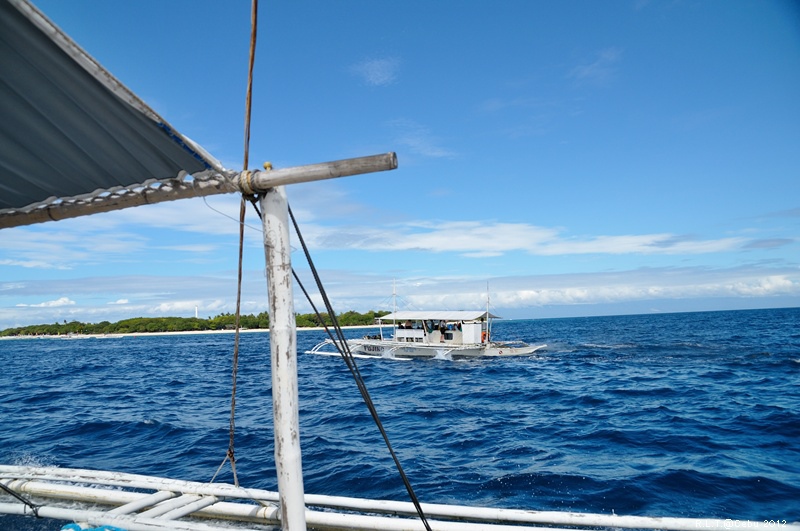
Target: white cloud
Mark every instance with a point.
(762, 287)
(174, 307)
(110, 237)
(640, 244)
(87, 243)
(489, 238)
(63, 301)
(64, 245)
(192, 248)
(170, 296)
(377, 72)
(35, 264)
(601, 288)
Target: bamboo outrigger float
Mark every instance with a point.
(66, 93)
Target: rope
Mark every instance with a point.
(34, 508)
(350, 361)
(249, 97)
(231, 454)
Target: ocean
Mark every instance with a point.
(690, 414)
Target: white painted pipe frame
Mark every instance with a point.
(283, 332)
(336, 521)
(36, 481)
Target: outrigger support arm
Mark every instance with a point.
(259, 181)
(183, 187)
(283, 329)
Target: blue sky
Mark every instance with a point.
(576, 157)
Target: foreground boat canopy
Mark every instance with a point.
(70, 128)
(439, 315)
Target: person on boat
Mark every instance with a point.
(442, 330)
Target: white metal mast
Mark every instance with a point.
(283, 327)
(283, 350)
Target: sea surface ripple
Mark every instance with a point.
(693, 414)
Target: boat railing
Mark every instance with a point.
(137, 502)
(320, 348)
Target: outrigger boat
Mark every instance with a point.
(432, 334)
(75, 141)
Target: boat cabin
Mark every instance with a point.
(437, 327)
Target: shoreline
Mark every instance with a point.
(175, 333)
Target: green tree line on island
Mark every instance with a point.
(225, 321)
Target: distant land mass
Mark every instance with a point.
(225, 321)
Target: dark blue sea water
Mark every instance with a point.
(694, 414)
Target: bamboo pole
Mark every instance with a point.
(283, 348)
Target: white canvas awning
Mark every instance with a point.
(439, 315)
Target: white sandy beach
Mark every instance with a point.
(185, 333)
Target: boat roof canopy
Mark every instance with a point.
(439, 315)
(71, 130)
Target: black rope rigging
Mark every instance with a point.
(231, 455)
(34, 508)
(350, 361)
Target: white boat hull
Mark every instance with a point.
(377, 348)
